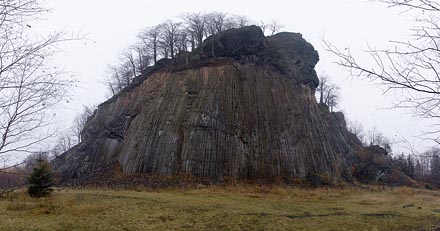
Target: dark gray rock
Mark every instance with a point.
(250, 114)
(234, 43)
(340, 118)
(294, 56)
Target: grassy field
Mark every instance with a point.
(229, 208)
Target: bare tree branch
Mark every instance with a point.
(30, 85)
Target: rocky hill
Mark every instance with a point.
(242, 105)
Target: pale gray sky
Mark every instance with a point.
(112, 26)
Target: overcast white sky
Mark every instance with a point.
(112, 26)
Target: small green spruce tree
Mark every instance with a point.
(41, 179)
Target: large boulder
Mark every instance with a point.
(294, 56)
(234, 43)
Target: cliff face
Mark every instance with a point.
(247, 109)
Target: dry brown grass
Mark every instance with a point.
(240, 207)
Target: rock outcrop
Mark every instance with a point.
(243, 107)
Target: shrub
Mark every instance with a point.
(372, 164)
(316, 180)
(429, 187)
(41, 180)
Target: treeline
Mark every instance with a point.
(168, 39)
(17, 176)
(424, 167)
(12, 178)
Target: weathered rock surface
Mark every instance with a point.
(247, 111)
(235, 43)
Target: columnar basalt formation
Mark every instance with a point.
(242, 106)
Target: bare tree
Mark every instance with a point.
(214, 25)
(11, 179)
(411, 67)
(240, 21)
(328, 93)
(170, 31)
(150, 41)
(425, 5)
(64, 142)
(435, 166)
(130, 61)
(29, 84)
(142, 57)
(133, 62)
(71, 137)
(195, 24)
(200, 25)
(375, 137)
(121, 75)
(264, 26)
(80, 122)
(357, 129)
(274, 27)
(217, 21)
(427, 166)
(166, 40)
(114, 81)
(182, 41)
